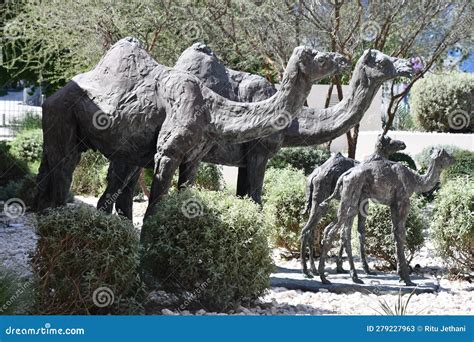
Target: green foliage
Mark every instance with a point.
(15, 293)
(90, 175)
(453, 224)
(400, 308)
(11, 168)
(462, 167)
(208, 240)
(404, 158)
(80, 250)
(379, 238)
(284, 202)
(23, 189)
(443, 103)
(302, 158)
(28, 145)
(31, 121)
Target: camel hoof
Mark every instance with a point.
(410, 283)
(307, 275)
(325, 281)
(357, 281)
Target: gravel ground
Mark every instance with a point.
(455, 297)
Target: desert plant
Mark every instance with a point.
(11, 168)
(209, 240)
(453, 224)
(400, 308)
(28, 145)
(379, 237)
(443, 103)
(90, 175)
(404, 158)
(86, 262)
(302, 158)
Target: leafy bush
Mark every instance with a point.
(23, 189)
(11, 168)
(85, 259)
(423, 158)
(404, 159)
(453, 224)
(302, 158)
(31, 121)
(379, 237)
(15, 293)
(443, 103)
(462, 167)
(90, 175)
(28, 145)
(208, 240)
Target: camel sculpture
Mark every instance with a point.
(321, 184)
(388, 183)
(312, 127)
(134, 110)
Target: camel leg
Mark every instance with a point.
(117, 175)
(307, 236)
(399, 215)
(330, 233)
(187, 174)
(242, 182)
(124, 202)
(339, 261)
(347, 242)
(361, 230)
(256, 166)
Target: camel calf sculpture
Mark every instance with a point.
(320, 185)
(388, 183)
(136, 111)
(311, 127)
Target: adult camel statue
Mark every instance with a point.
(312, 127)
(134, 110)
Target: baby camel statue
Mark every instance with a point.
(321, 184)
(388, 183)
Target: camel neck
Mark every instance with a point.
(429, 180)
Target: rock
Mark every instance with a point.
(168, 312)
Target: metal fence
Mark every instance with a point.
(13, 109)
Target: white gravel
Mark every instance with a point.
(455, 297)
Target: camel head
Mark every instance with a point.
(315, 65)
(387, 146)
(441, 158)
(380, 67)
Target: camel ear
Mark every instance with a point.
(435, 153)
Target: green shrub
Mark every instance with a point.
(443, 103)
(15, 293)
(23, 189)
(379, 237)
(462, 167)
(302, 158)
(90, 175)
(208, 240)
(31, 121)
(453, 224)
(404, 159)
(11, 168)
(80, 251)
(28, 145)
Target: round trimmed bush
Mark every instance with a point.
(443, 103)
(28, 145)
(90, 175)
(301, 158)
(284, 202)
(11, 168)
(379, 237)
(211, 240)
(85, 259)
(453, 224)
